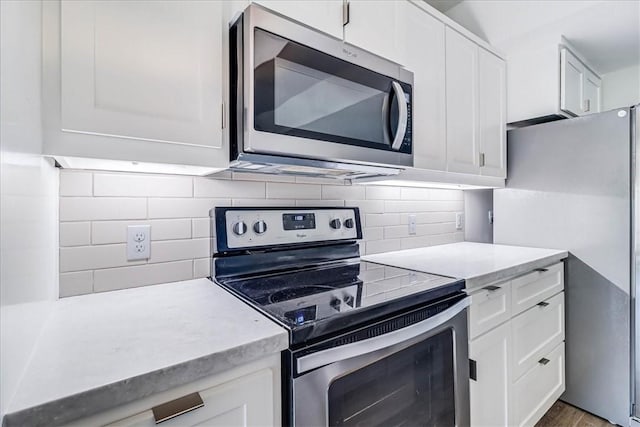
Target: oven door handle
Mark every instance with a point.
(331, 355)
(403, 116)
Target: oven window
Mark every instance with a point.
(414, 387)
(302, 92)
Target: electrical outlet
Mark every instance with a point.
(459, 220)
(412, 224)
(138, 242)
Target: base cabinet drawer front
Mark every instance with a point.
(538, 389)
(246, 401)
(489, 307)
(536, 332)
(532, 288)
(489, 392)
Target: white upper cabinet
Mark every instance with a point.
(462, 103)
(372, 26)
(572, 80)
(135, 80)
(324, 15)
(592, 93)
(421, 50)
(492, 114)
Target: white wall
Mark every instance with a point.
(28, 195)
(621, 88)
(96, 207)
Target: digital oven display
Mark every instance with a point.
(299, 221)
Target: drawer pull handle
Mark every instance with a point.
(491, 288)
(543, 304)
(543, 361)
(177, 407)
(541, 270)
(473, 370)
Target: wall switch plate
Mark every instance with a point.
(459, 220)
(412, 224)
(138, 242)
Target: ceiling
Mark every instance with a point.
(443, 5)
(607, 33)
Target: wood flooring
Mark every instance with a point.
(564, 415)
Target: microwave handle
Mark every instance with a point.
(403, 116)
(335, 354)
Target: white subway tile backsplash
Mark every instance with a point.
(101, 208)
(382, 193)
(139, 185)
(79, 258)
(78, 283)
(201, 268)
(201, 227)
(183, 207)
(75, 183)
(75, 233)
(104, 232)
(281, 190)
(96, 208)
(150, 274)
(352, 192)
(204, 187)
(172, 250)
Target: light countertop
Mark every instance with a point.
(476, 263)
(103, 350)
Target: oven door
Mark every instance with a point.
(417, 375)
(309, 95)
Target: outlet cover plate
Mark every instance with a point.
(138, 242)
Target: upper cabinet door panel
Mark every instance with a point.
(372, 27)
(572, 80)
(592, 93)
(324, 15)
(462, 103)
(148, 70)
(421, 49)
(492, 116)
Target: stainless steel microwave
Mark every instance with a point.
(304, 102)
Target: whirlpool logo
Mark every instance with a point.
(301, 236)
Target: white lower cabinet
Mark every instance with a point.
(243, 396)
(516, 348)
(489, 387)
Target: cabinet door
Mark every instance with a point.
(324, 15)
(372, 27)
(462, 103)
(489, 392)
(592, 93)
(247, 401)
(571, 82)
(492, 116)
(137, 75)
(421, 48)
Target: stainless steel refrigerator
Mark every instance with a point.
(572, 184)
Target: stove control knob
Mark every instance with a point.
(349, 223)
(239, 228)
(335, 303)
(260, 227)
(335, 223)
(348, 299)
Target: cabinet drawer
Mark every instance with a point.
(536, 332)
(538, 389)
(489, 307)
(530, 289)
(245, 401)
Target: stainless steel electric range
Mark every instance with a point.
(370, 344)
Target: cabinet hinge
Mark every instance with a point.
(473, 370)
(481, 159)
(345, 12)
(224, 117)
